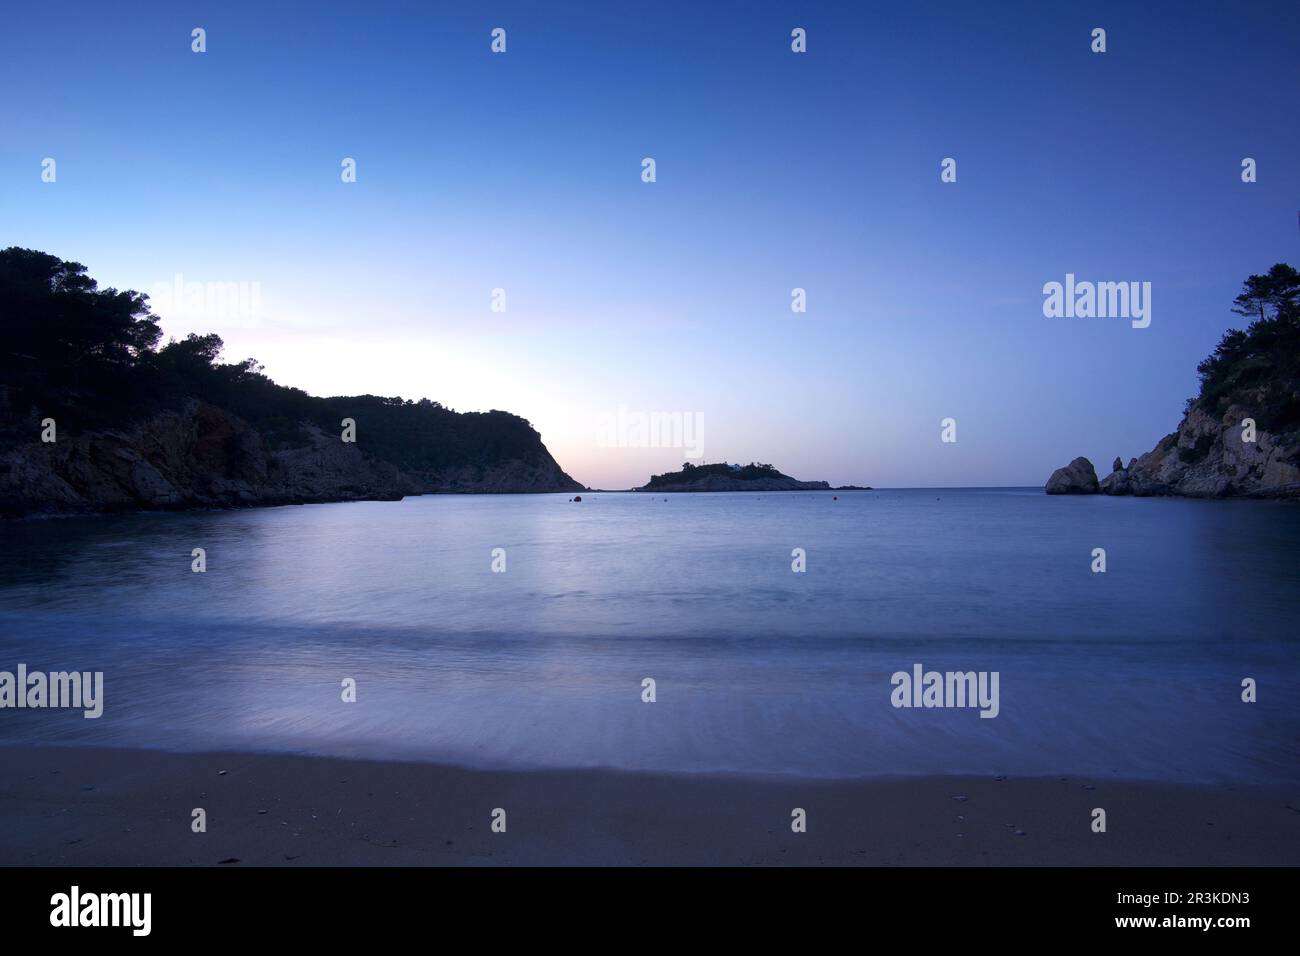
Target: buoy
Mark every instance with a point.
(577, 497)
(835, 497)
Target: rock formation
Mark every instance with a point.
(1077, 478)
(1240, 436)
(201, 456)
(1208, 457)
(144, 425)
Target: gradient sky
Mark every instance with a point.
(775, 170)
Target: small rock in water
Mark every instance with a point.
(1076, 478)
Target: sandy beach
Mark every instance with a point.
(92, 807)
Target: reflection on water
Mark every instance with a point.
(1135, 671)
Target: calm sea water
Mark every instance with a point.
(1135, 672)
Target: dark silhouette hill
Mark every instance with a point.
(722, 476)
(139, 425)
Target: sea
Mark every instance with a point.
(673, 632)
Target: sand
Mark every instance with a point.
(92, 807)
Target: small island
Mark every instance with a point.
(723, 476)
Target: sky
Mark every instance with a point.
(774, 170)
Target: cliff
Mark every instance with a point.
(201, 456)
(1240, 437)
(1208, 458)
(142, 427)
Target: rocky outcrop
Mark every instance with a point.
(1240, 435)
(1208, 456)
(509, 477)
(200, 456)
(1211, 456)
(196, 457)
(1079, 477)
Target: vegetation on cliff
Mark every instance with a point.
(1240, 435)
(91, 359)
(1264, 359)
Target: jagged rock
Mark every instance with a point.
(1240, 435)
(1079, 477)
(1118, 465)
(1116, 483)
(1207, 458)
(508, 477)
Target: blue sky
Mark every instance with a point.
(775, 170)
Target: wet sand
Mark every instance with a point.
(95, 807)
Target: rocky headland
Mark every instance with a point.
(94, 417)
(1240, 437)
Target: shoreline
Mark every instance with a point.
(56, 515)
(94, 806)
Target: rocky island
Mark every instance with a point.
(1240, 436)
(95, 417)
(727, 477)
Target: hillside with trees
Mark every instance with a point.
(91, 361)
(727, 477)
(1240, 434)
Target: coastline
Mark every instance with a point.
(93, 806)
(260, 506)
